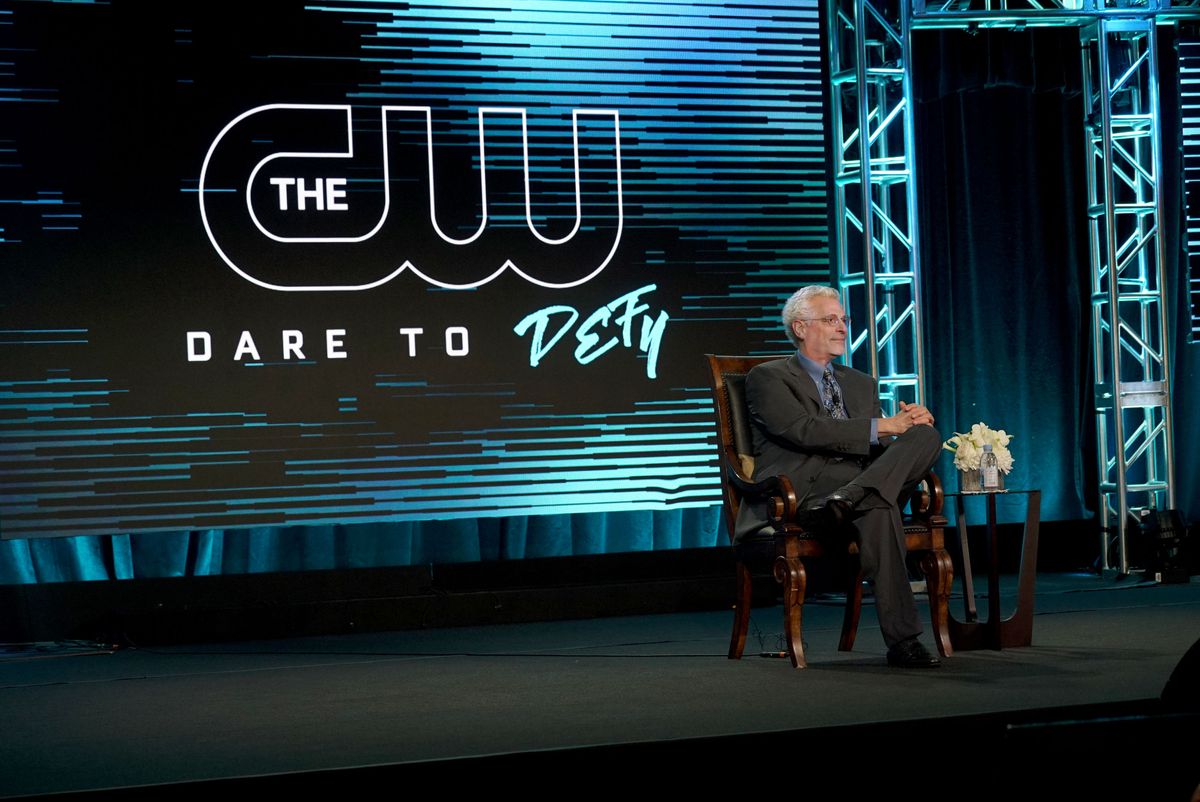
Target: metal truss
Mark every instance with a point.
(875, 192)
(1189, 102)
(974, 14)
(1129, 305)
(877, 249)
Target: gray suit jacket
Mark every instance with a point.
(794, 435)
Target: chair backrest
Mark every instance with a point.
(735, 441)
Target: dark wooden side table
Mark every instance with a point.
(1017, 629)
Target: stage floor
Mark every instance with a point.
(76, 719)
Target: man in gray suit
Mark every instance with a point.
(821, 424)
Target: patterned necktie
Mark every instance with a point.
(833, 396)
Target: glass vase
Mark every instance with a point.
(972, 482)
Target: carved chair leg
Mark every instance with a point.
(741, 612)
(939, 576)
(789, 572)
(854, 594)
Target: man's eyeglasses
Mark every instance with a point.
(831, 320)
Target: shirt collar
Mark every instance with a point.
(814, 369)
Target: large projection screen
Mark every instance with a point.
(278, 263)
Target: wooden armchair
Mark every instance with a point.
(793, 544)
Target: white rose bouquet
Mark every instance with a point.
(968, 447)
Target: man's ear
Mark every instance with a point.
(797, 328)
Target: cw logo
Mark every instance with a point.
(289, 205)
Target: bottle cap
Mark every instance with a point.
(987, 447)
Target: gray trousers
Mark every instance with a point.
(886, 482)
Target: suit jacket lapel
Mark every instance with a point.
(850, 397)
(804, 381)
(857, 404)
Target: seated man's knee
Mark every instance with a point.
(925, 436)
(931, 433)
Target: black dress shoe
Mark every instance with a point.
(838, 508)
(911, 653)
(819, 518)
(830, 514)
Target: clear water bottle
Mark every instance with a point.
(989, 469)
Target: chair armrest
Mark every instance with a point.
(928, 501)
(776, 491)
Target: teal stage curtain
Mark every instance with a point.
(1005, 255)
(1003, 205)
(312, 548)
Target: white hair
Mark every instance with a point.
(800, 306)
